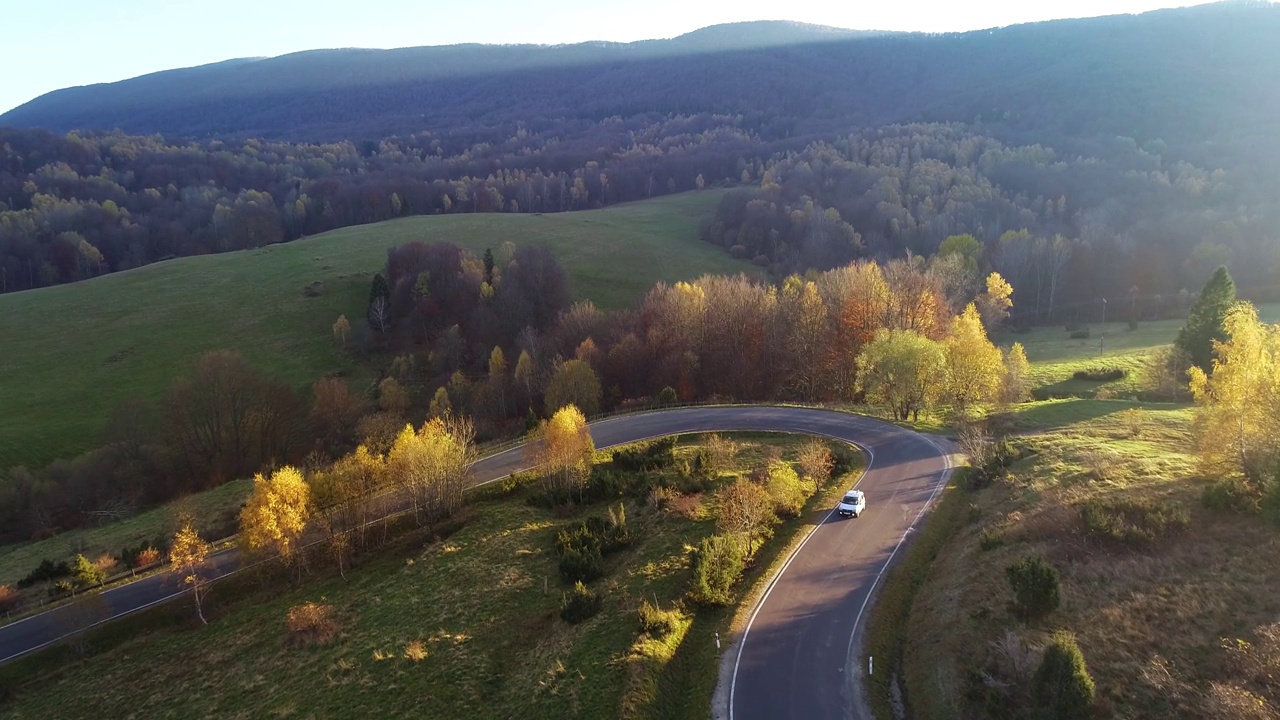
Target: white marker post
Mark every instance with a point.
(717, 640)
(871, 665)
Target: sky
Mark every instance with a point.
(52, 45)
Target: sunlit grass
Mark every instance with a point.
(72, 352)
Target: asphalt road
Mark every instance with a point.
(797, 657)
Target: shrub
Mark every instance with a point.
(1231, 495)
(1062, 687)
(720, 453)
(86, 573)
(717, 565)
(9, 598)
(656, 622)
(311, 624)
(846, 458)
(786, 489)
(107, 563)
(580, 604)
(667, 396)
(643, 457)
(1132, 522)
(1035, 587)
(990, 539)
(1100, 374)
(582, 547)
(1271, 501)
(1080, 334)
(47, 570)
(580, 563)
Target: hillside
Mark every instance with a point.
(1197, 79)
(72, 352)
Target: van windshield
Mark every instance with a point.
(850, 500)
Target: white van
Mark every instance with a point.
(853, 503)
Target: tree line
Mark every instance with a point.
(1064, 230)
(495, 339)
(1123, 220)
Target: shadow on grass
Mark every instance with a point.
(1049, 415)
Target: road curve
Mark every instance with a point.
(795, 657)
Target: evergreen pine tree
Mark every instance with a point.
(488, 265)
(1062, 685)
(1205, 323)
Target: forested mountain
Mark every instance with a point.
(1201, 80)
(1150, 144)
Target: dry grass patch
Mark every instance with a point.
(415, 650)
(311, 624)
(1150, 587)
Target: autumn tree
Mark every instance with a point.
(807, 340)
(189, 562)
(903, 371)
(335, 411)
(392, 396)
(525, 375)
(497, 367)
(745, 510)
(994, 303)
(1206, 324)
(1016, 386)
(1238, 420)
(211, 416)
(561, 449)
(341, 329)
(974, 366)
(345, 492)
(574, 383)
(276, 513)
(433, 465)
(440, 403)
(815, 460)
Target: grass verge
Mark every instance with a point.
(887, 625)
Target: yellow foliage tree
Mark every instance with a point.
(440, 404)
(562, 450)
(341, 328)
(392, 397)
(974, 366)
(996, 301)
(276, 514)
(433, 465)
(1238, 422)
(189, 561)
(1017, 375)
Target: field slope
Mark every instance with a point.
(70, 353)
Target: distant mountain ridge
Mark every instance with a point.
(1195, 79)
(89, 106)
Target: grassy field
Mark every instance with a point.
(1055, 356)
(69, 353)
(492, 644)
(1150, 615)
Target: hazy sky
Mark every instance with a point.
(61, 43)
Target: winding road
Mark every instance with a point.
(797, 655)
